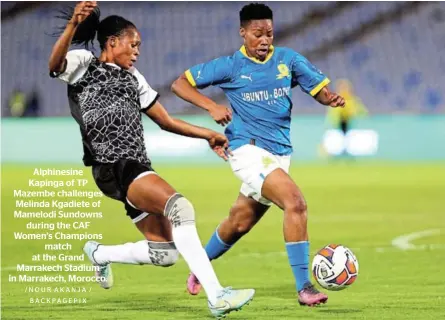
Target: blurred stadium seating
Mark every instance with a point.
(393, 52)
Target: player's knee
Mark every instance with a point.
(241, 219)
(242, 227)
(163, 254)
(296, 205)
(179, 211)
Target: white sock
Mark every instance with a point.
(189, 246)
(130, 253)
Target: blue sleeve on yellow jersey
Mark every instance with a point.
(213, 73)
(306, 75)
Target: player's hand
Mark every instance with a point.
(220, 145)
(336, 100)
(221, 114)
(82, 11)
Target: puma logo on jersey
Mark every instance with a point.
(247, 77)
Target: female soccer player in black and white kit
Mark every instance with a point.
(107, 96)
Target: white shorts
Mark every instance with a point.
(251, 165)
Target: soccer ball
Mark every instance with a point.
(335, 267)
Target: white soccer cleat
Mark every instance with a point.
(103, 273)
(230, 300)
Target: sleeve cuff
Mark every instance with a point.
(189, 77)
(320, 86)
(145, 109)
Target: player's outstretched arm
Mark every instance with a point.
(57, 62)
(184, 90)
(330, 98)
(218, 142)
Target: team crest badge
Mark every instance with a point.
(267, 161)
(283, 71)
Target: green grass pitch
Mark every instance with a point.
(361, 205)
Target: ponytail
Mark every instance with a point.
(86, 31)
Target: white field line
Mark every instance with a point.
(403, 242)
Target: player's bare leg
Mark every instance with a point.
(156, 228)
(279, 188)
(153, 194)
(244, 214)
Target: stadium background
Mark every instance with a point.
(394, 55)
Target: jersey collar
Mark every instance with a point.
(117, 67)
(269, 55)
(113, 65)
(110, 64)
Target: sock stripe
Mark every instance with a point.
(161, 245)
(220, 240)
(216, 247)
(291, 243)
